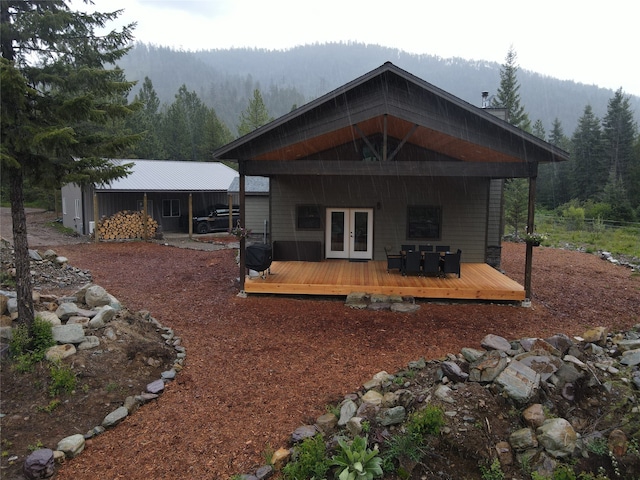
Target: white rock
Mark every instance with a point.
(58, 352)
(49, 317)
(72, 446)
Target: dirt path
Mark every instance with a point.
(39, 232)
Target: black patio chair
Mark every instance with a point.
(425, 248)
(451, 263)
(394, 260)
(407, 248)
(431, 264)
(412, 262)
(443, 248)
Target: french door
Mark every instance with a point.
(349, 233)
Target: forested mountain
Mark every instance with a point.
(195, 102)
(226, 79)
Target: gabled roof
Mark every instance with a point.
(390, 101)
(170, 175)
(252, 186)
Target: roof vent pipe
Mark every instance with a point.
(485, 99)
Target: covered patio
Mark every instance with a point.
(478, 281)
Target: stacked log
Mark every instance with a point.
(126, 225)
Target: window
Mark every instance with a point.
(308, 217)
(170, 208)
(424, 222)
(64, 206)
(78, 209)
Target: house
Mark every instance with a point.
(385, 160)
(168, 187)
(256, 204)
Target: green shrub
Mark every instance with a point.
(20, 341)
(427, 421)
(63, 380)
(401, 447)
(35, 341)
(309, 460)
(574, 217)
(42, 336)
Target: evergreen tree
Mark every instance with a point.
(619, 131)
(556, 175)
(183, 127)
(516, 199)
(590, 165)
(190, 129)
(633, 191)
(255, 116)
(538, 130)
(146, 121)
(508, 97)
(57, 99)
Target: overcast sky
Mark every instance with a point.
(588, 42)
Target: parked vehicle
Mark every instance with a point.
(216, 219)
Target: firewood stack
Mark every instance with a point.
(126, 225)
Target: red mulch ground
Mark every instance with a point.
(259, 367)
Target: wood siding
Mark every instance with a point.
(463, 202)
(257, 212)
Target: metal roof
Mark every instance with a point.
(171, 175)
(252, 185)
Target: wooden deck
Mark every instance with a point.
(478, 281)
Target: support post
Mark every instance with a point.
(190, 219)
(96, 238)
(145, 223)
(243, 269)
(530, 228)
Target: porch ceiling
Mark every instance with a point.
(447, 145)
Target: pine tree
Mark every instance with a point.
(618, 132)
(190, 129)
(59, 107)
(508, 97)
(255, 116)
(557, 174)
(515, 204)
(590, 165)
(538, 130)
(146, 121)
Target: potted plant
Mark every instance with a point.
(534, 238)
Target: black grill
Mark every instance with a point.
(258, 257)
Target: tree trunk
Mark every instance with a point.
(21, 248)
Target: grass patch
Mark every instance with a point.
(590, 236)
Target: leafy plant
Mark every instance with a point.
(366, 426)
(63, 380)
(357, 461)
(309, 460)
(493, 471)
(598, 446)
(333, 409)
(111, 387)
(53, 404)
(35, 446)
